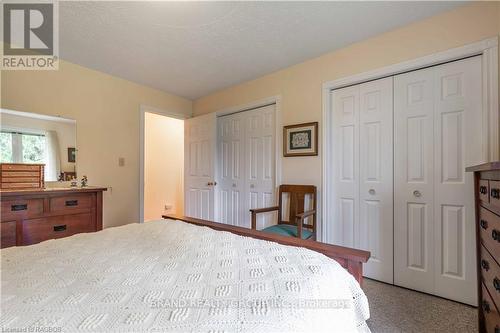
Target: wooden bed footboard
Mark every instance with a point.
(350, 259)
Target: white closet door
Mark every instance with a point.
(375, 229)
(414, 180)
(260, 157)
(345, 125)
(231, 169)
(438, 121)
(458, 143)
(199, 153)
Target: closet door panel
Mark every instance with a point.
(414, 180)
(345, 125)
(230, 185)
(260, 160)
(374, 232)
(457, 135)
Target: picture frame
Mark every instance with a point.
(300, 140)
(71, 155)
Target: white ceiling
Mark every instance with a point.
(194, 48)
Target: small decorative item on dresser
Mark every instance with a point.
(84, 181)
(487, 195)
(21, 176)
(300, 140)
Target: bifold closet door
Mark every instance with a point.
(231, 169)
(246, 168)
(438, 126)
(363, 169)
(260, 161)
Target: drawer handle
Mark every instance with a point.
(483, 224)
(485, 265)
(486, 307)
(496, 283)
(495, 235)
(71, 203)
(16, 208)
(58, 228)
(495, 193)
(483, 189)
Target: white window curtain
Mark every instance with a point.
(52, 158)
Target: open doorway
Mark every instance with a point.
(162, 165)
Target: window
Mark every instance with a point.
(22, 147)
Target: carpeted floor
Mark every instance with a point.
(395, 309)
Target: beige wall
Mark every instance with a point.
(300, 86)
(163, 165)
(106, 110)
(66, 133)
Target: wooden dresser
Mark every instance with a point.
(487, 194)
(32, 216)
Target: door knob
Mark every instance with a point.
(252, 185)
(417, 194)
(371, 191)
(234, 185)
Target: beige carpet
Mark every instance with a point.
(395, 309)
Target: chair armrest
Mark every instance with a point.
(260, 210)
(263, 210)
(306, 214)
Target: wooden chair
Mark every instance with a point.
(296, 227)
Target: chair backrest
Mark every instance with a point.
(297, 194)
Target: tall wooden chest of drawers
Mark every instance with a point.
(487, 195)
(32, 216)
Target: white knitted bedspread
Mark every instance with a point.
(170, 276)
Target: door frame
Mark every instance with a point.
(142, 123)
(487, 48)
(276, 100)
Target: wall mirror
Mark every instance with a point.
(34, 138)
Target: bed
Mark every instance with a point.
(173, 276)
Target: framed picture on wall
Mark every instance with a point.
(300, 140)
(72, 155)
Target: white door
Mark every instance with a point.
(199, 161)
(458, 144)
(345, 125)
(231, 169)
(363, 157)
(414, 180)
(375, 229)
(260, 162)
(438, 125)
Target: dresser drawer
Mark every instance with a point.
(490, 312)
(20, 167)
(490, 271)
(484, 190)
(20, 174)
(14, 186)
(39, 230)
(69, 203)
(8, 234)
(489, 226)
(495, 193)
(21, 209)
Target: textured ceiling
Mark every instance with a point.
(194, 48)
